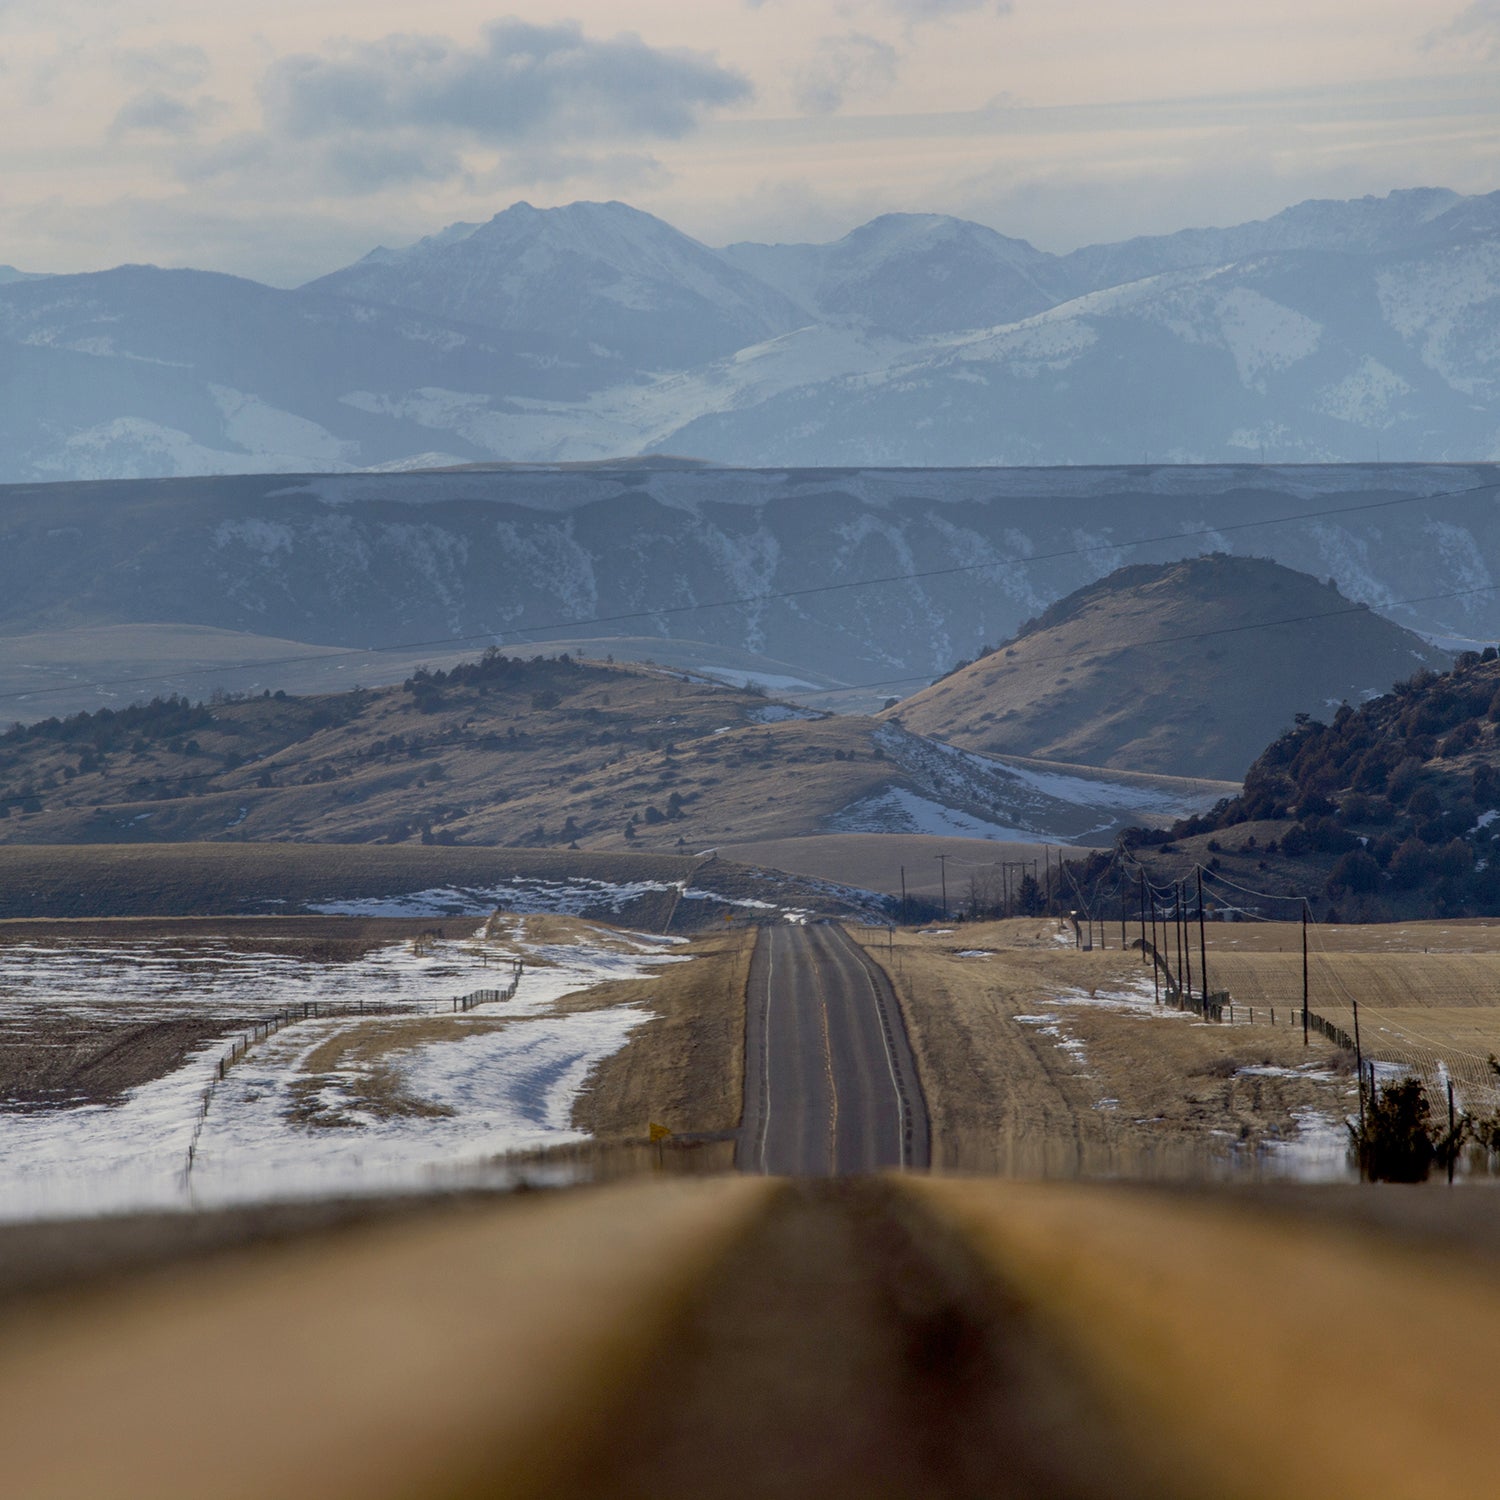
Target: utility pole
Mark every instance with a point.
(1202, 945)
(903, 895)
(1047, 855)
(1184, 948)
(1143, 917)
(1304, 972)
(1155, 951)
(1359, 1070)
(1123, 939)
(942, 860)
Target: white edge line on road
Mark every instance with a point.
(765, 1048)
(890, 1060)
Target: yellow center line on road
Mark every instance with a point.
(833, 1088)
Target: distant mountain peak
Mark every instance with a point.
(647, 296)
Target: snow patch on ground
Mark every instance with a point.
(1267, 1070)
(780, 713)
(520, 894)
(1117, 795)
(1049, 1026)
(1319, 1152)
(897, 810)
(474, 1093)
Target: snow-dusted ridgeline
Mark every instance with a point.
(518, 555)
(1331, 332)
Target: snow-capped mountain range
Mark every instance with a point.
(1333, 332)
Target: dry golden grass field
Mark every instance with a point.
(1037, 1059)
(1428, 992)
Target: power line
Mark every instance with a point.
(1172, 640)
(915, 575)
(1245, 889)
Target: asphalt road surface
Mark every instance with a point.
(831, 1087)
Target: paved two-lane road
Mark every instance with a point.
(830, 1084)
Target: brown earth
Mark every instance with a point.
(215, 879)
(225, 881)
(938, 1337)
(83, 1063)
(852, 1346)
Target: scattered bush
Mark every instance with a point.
(1398, 1140)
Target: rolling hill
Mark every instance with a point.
(546, 753)
(1184, 668)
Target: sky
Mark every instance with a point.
(283, 139)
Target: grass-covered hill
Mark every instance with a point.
(1183, 668)
(545, 753)
(1388, 810)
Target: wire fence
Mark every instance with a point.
(267, 1026)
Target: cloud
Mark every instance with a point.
(348, 165)
(625, 171)
(156, 112)
(1479, 22)
(172, 65)
(842, 64)
(936, 10)
(523, 83)
(914, 11)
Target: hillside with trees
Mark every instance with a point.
(550, 752)
(1391, 810)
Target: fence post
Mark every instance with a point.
(1451, 1152)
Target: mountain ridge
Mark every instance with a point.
(1330, 332)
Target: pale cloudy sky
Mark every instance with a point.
(282, 138)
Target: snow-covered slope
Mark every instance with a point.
(140, 371)
(1311, 356)
(913, 274)
(1334, 332)
(1359, 226)
(649, 296)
